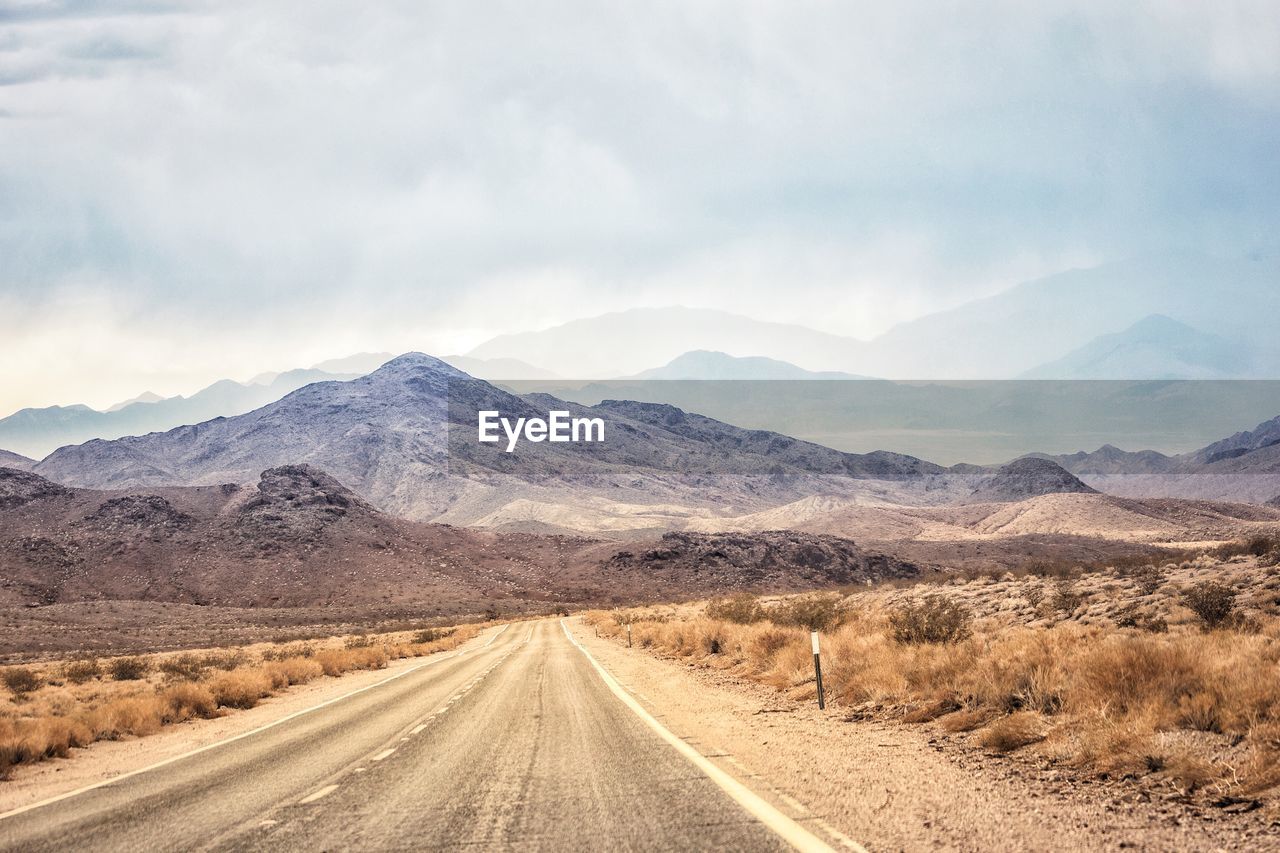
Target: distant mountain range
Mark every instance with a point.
(1155, 347)
(1061, 326)
(706, 365)
(36, 432)
(404, 438)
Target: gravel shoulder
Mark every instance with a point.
(890, 787)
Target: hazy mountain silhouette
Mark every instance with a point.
(1155, 347)
(703, 364)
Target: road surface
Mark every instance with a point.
(517, 740)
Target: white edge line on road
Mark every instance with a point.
(87, 788)
(790, 831)
(318, 795)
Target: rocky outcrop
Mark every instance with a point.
(1029, 477)
(21, 487)
(761, 561)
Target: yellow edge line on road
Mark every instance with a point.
(87, 788)
(790, 831)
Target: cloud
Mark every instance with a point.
(260, 178)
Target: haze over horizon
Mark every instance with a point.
(214, 190)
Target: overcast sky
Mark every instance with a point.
(193, 191)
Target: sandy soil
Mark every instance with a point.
(890, 787)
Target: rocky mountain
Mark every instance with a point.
(1028, 477)
(707, 365)
(14, 460)
(404, 438)
(1274, 501)
(40, 431)
(1263, 438)
(298, 538)
(1155, 347)
(1243, 467)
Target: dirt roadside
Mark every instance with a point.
(104, 760)
(886, 786)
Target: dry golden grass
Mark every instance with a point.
(56, 707)
(1197, 708)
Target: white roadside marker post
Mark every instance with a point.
(628, 635)
(817, 672)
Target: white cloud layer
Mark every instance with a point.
(190, 191)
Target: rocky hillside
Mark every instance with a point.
(1028, 477)
(736, 561)
(404, 438)
(299, 538)
(1243, 467)
(9, 459)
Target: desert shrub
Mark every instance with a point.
(293, 650)
(934, 619)
(129, 669)
(1013, 732)
(1149, 579)
(290, 671)
(240, 689)
(741, 609)
(1053, 569)
(187, 700)
(20, 680)
(80, 671)
(430, 635)
(135, 715)
(225, 661)
(1066, 598)
(1032, 593)
(1261, 546)
(767, 642)
(1128, 616)
(338, 661)
(1212, 602)
(1156, 624)
(816, 612)
(360, 642)
(184, 667)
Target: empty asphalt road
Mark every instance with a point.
(517, 740)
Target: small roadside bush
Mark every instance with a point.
(430, 635)
(1213, 603)
(20, 680)
(185, 667)
(741, 609)
(1015, 731)
(815, 612)
(240, 689)
(1066, 598)
(129, 669)
(935, 619)
(80, 671)
(1149, 579)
